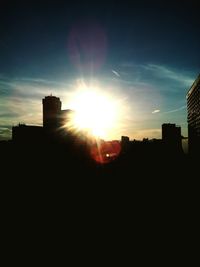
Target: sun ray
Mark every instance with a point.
(94, 112)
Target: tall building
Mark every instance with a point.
(51, 112)
(193, 107)
(55, 124)
(171, 136)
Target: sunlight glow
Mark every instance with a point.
(94, 112)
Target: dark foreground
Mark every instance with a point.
(51, 194)
(28, 168)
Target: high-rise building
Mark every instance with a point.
(56, 124)
(171, 136)
(193, 107)
(51, 112)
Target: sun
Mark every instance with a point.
(94, 112)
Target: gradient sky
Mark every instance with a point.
(144, 53)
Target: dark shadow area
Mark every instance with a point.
(54, 191)
(62, 165)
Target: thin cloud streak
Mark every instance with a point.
(155, 111)
(116, 73)
(175, 110)
(42, 81)
(165, 72)
(185, 78)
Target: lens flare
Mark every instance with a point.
(104, 152)
(87, 45)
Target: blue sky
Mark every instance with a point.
(144, 53)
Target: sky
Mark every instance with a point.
(143, 53)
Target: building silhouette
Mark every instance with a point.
(125, 142)
(193, 107)
(27, 134)
(54, 117)
(171, 137)
(125, 139)
(55, 124)
(58, 129)
(51, 112)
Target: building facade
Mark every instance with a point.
(193, 117)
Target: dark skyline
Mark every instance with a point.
(144, 52)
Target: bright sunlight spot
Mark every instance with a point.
(95, 112)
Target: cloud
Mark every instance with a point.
(175, 110)
(5, 132)
(164, 72)
(116, 73)
(155, 72)
(8, 114)
(41, 81)
(155, 111)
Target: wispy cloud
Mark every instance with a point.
(169, 73)
(116, 73)
(5, 132)
(155, 111)
(42, 81)
(8, 114)
(138, 71)
(175, 110)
